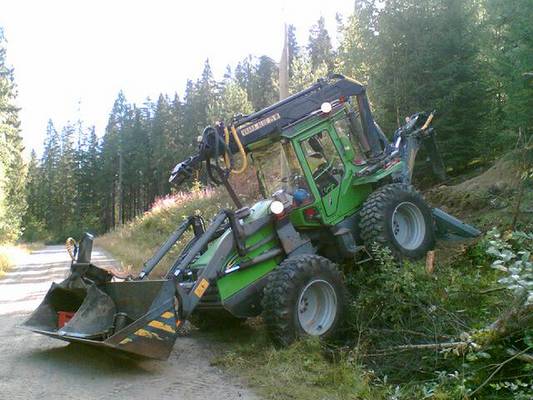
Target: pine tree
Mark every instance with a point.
(113, 161)
(12, 168)
(508, 51)
(51, 182)
(319, 46)
(233, 102)
(33, 220)
(424, 56)
(294, 49)
(304, 75)
(244, 73)
(264, 83)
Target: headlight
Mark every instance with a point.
(276, 207)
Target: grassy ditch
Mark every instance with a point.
(302, 371)
(135, 242)
(398, 315)
(412, 333)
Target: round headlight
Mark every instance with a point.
(276, 207)
(326, 107)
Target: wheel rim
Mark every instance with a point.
(317, 307)
(408, 225)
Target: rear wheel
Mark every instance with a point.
(397, 217)
(305, 296)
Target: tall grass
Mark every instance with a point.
(5, 262)
(135, 242)
(10, 255)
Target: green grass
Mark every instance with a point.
(135, 242)
(5, 263)
(301, 371)
(10, 253)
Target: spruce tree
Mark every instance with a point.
(12, 168)
(319, 46)
(265, 83)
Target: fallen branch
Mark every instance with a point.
(426, 346)
(526, 357)
(500, 366)
(411, 332)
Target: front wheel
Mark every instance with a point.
(397, 217)
(305, 296)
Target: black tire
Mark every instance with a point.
(283, 306)
(215, 319)
(379, 221)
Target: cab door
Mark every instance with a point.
(325, 167)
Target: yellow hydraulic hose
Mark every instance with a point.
(428, 121)
(239, 146)
(226, 140)
(70, 245)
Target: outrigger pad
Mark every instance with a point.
(136, 317)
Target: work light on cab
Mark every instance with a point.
(326, 107)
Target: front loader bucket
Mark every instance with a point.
(136, 317)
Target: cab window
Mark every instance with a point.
(350, 139)
(324, 161)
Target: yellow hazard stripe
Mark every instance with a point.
(126, 340)
(147, 334)
(167, 315)
(162, 326)
(201, 288)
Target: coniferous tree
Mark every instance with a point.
(319, 46)
(50, 161)
(508, 55)
(264, 83)
(293, 48)
(12, 173)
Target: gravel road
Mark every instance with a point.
(36, 367)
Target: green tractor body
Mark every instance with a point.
(331, 183)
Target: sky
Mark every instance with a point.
(72, 57)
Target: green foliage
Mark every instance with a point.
(303, 74)
(319, 46)
(12, 168)
(517, 265)
(398, 307)
(508, 49)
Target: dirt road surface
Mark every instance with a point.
(36, 367)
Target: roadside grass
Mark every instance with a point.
(5, 262)
(10, 253)
(135, 242)
(33, 246)
(301, 371)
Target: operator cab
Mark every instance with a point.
(307, 165)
